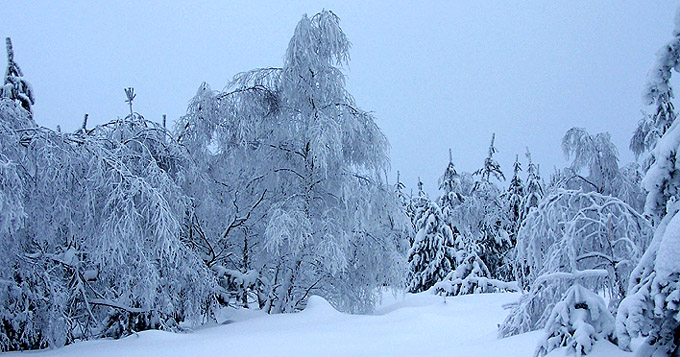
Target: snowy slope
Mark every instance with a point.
(409, 325)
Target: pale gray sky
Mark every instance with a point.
(437, 75)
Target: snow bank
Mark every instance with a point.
(405, 325)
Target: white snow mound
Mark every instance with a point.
(317, 305)
(667, 260)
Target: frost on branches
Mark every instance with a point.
(301, 164)
(598, 156)
(579, 320)
(574, 236)
(93, 240)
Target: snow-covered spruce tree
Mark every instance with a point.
(512, 201)
(493, 221)
(534, 186)
(651, 308)
(579, 320)
(15, 87)
(450, 187)
(574, 236)
(658, 92)
(471, 274)
(431, 256)
(399, 189)
(451, 197)
(416, 208)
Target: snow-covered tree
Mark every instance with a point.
(471, 276)
(449, 185)
(301, 139)
(579, 320)
(653, 302)
(469, 217)
(574, 236)
(534, 186)
(658, 92)
(652, 306)
(95, 250)
(491, 166)
(492, 220)
(512, 200)
(431, 256)
(418, 205)
(599, 157)
(15, 87)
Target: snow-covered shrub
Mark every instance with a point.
(471, 276)
(576, 322)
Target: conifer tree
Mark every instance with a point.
(15, 87)
(491, 166)
(652, 306)
(495, 241)
(534, 186)
(432, 254)
(449, 185)
(512, 199)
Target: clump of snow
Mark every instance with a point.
(668, 255)
(319, 306)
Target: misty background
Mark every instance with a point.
(437, 75)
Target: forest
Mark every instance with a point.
(275, 189)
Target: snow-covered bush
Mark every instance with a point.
(574, 236)
(471, 276)
(580, 319)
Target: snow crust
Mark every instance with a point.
(404, 325)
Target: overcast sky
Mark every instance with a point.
(437, 75)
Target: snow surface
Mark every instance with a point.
(405, 325)
(667, 261)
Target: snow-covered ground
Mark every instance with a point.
(403, 325)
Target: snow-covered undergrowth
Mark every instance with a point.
(405, 325)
